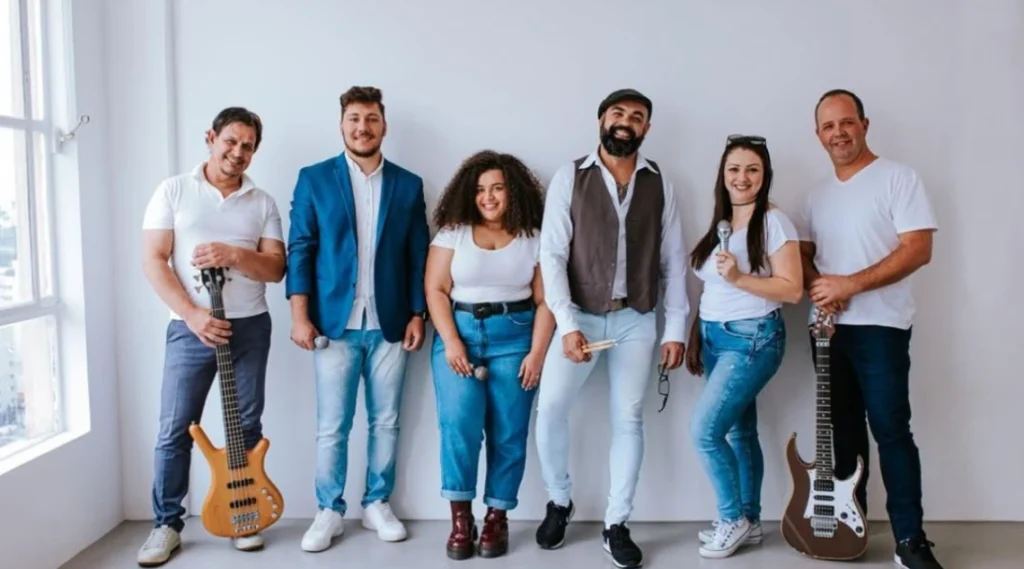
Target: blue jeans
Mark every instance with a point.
(739, 357)
(338, 368)
(189, 370)
(630, 372)
(870, 373)
(498, 407)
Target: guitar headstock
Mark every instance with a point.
(823, 326)
(212, 278)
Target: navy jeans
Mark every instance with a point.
(189, 370)
(870, 373)
(469, 408)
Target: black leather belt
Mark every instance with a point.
(485, 309)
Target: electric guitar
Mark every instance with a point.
(823, 519)
(241, 500)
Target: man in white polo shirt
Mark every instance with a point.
(863, 233)
(213, 216)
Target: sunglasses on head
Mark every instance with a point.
(750, 138)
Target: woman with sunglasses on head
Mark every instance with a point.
(738, 337)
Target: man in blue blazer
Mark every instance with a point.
(357, 247)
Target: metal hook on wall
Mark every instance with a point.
(61, 138)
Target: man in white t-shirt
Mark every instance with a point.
(863, 233)
(211, 217)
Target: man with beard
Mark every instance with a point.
(357, 248)
(611, 235)
(213, 216)
(864, 232)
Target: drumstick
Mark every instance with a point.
(598, 346)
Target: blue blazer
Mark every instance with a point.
(322, 250)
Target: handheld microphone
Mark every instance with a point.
(320, 342)
(724, 231)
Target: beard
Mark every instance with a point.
(363, 153)
(620, 147)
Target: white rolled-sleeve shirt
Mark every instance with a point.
(556, 236)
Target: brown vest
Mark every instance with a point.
(595, 241)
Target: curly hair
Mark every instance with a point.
(525, 207)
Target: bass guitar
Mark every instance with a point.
(823, 519)
(241, 499)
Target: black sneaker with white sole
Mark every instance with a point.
(620, 546)
(916, 554)
(551, 533)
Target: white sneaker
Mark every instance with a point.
(249, 542)
(159, 546)
(755, 537)
(729, 536)
(379, 517)
(326, 526)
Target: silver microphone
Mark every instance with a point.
(724, 231)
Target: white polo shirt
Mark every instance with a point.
(857, 223)
(198, 213)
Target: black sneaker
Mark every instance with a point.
(916, 554)
(551, 533)
(624, 552)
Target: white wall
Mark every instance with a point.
(938, 82)
(58, 503)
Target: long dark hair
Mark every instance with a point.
(723, 206)
(525, 208)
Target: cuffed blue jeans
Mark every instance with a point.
(630, 374)
(739, 357)
(189, 370)
(498, 408)
(338, 369)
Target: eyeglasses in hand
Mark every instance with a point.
(663, 385)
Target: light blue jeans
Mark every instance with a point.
(498, 407)
(338, 368)
(739, 357)
(630, 374)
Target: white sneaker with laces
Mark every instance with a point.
(159, 546)
(249, 542)
(379, 517)
(755, 537)
(729, 536)
(327, 525)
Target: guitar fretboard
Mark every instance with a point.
(228, 393)
(823, 408)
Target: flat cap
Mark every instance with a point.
(625, 95)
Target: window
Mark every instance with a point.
(31, 408)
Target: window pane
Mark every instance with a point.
(15, 229)
(29, 402)
(12, 90)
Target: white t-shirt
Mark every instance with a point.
(198, 214)
(855, 224)
(723, 301)
(484, 275)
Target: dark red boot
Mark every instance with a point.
(494, 537)
(461, 540)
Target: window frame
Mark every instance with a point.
(39, 305)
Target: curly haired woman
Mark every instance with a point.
(492, 330)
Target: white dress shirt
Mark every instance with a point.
(366, 197)
(556, 235)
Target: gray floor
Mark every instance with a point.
(668, 545)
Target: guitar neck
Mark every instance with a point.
(235, 440)
(823, 407)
